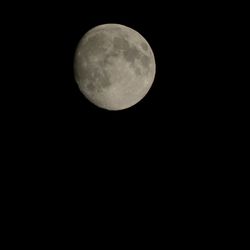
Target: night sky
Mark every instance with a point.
(174, 122)
(157, 168)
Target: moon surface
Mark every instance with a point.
(114, 66)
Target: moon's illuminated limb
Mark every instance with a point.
(114, 66)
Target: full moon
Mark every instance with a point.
(114, 66)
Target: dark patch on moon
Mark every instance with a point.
(105, 82)
(131, 54)
(107, 57)
(144, 46)
(91, 87)
(95, 78)
(145, 61)
(82, 72)
(120, 43)
(94, 45)
(137, 71)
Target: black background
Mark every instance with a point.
(176, 124)
(157, 163)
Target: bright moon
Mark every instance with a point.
(114, 66)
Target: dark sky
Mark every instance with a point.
(162, 158)
(176, 117)
(160, 168)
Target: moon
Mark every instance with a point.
(114, 66)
